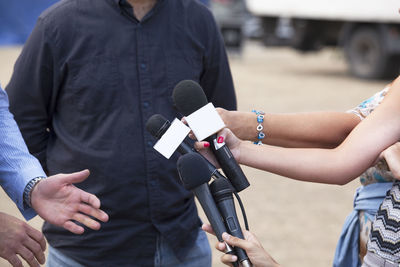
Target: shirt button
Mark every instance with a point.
(149, 143)
(146, 104)
(143, 66)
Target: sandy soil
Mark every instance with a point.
(298, 223)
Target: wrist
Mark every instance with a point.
(241, 150)
(260, 126)
(29, 189)
(242, 124)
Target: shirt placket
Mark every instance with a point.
(147, 110)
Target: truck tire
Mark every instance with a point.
(367, 55)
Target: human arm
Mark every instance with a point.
(55, 199)
(312, 129)
(19, 238)
(307, 129)
(17, 166)
(332, 166)
(254, 250)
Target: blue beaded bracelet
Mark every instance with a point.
(260, 127)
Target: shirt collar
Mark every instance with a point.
(118, 2)
(123, 4)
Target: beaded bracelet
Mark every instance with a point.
(260, 127)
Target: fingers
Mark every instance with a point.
(86, 220)
(236, 242)
(14, 260)
(96, 213)
(28, 256)
(207, 228)
(37, 236)
(391, 157)
(221, 246)
(73, 227)
(75, 177)
(224, 134)
(228, 259)
(201, 145)
(90, 199)
(35, 250)
(184, 120)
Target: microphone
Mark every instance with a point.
(157, 125)
(188, 97)
(221, 190)
(195, 175)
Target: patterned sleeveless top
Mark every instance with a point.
(385, 233)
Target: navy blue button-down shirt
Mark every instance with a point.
(87, 80)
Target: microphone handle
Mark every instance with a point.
(228, 212)
(228, 164)
(207, 202)
(185, 148)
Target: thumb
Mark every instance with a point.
(76, 177)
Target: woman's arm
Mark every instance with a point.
(336, 166)
(313, 129)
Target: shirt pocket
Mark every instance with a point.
(93, 85)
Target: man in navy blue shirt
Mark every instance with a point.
(88, 78)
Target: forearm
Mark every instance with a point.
(17, 166)
(335, 166)
(305, 164)
(316, 129)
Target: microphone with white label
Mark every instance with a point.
(157, 125)
(189, 97)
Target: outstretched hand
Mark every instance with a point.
(19, 238)
(255, 251)
(61, 203)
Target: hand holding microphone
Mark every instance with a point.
(230, 140)
(258, 256)
(189, 97)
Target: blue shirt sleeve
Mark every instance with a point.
(17, 166)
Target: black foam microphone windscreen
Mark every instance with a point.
(157, 125)
(193, 170)
(188, 97)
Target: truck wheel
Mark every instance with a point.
(367, 55)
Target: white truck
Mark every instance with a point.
(367, 30)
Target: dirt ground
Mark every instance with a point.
(298, 223)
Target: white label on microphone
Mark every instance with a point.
(205, 122)
(172, 138)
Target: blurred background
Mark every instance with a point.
(286, 56)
